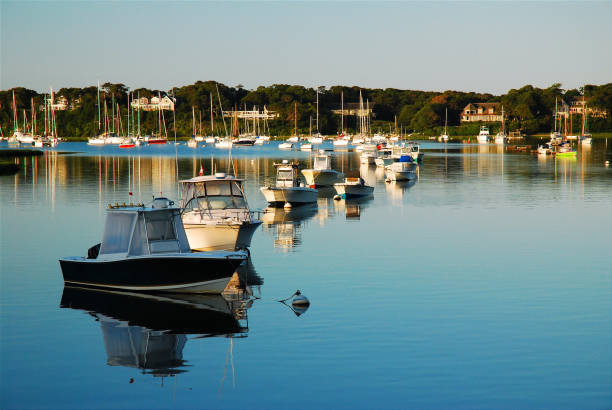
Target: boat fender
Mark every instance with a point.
(337, 197)
(287, 205)
(300, 300)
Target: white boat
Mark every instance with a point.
(368, 154)
(215, 213)
(306, 147)
(414, 148)
(210, 140)
(259, 140)
(444, 137)
(96, 141)
(285, 145)
(500, 137)
(199, 138)
(288, 190)
(384, 157)
(545, 149)
(192, 143)
(316, 139)
(586, 140)
(322, 173)
(483, 135)
(379, 138)
(340, 142)
(402, 168)
(293, 139)
(146, 249)
(353, 188)
(225, 143)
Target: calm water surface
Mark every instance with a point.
(487, 283)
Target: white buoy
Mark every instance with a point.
(287, 205)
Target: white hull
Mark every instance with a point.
(587, 141)
(96, 141)
(291, 195)
(353, 190)
(316, 140)
(223, 144)
(210, 140)
(293, 139)
(211, 237)
(306, 147)
(285, 145)
(322, 177)
(340, 143)
(401, 171)
(482, 139)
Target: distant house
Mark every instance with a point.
(58, 104)
(165, 103)
(577, 106)
(355, 109)
(489, 112)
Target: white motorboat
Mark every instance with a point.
(306, 147)
(285, 145)
(369, 154)
(199, 138)
(293, 139)
(259, 140)
(225, 143)
(414, 148)
(545, 149)
(500, 137)
(96, 141)
(586, 140)
(321, 173)
(215, 213)
(384, 157)
(210, 140)
(353, 188)
(316, 139)
(340, 143)
(288, 190)
(402, 169)
(146, 249)
(483, 135)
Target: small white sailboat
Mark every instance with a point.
(321, 173)
(444, 137)
(500, 137)
(288, 190)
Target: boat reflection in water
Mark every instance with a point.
(149, 331)
(285, 224)
(352, 207)
(397, 189)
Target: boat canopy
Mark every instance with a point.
(143, 231)
(211, 194)
(321, 162)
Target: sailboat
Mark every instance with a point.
(289, 144)
(556, 134)
(444, 137)
(341, 141)
(500, 137)
(317, 138)
(193, 142)
(159, 139)
(585, 138)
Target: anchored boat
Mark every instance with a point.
(322, 173)
(146, 249)
(353, 188)
(288, 190)
(216, 214)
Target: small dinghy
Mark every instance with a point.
(146, 249)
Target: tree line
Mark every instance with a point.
(529, 108)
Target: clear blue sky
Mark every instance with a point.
(471, 46)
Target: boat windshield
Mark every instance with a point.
(285, 175)
(214, 195)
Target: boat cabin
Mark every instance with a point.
(214, 196)
(321, 162)
(287, 175)
(137, 231)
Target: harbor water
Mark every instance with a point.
(484, 283)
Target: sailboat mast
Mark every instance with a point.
(15, 120)
(342, 115)
(556, 114)
(212, 123)
(138, 114)
(99, 110)
(295, 119)
(318, 110)
(583, 111)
